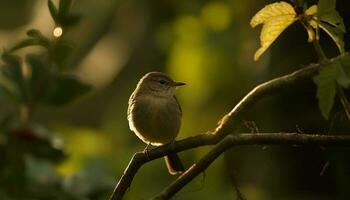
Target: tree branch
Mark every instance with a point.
(227, 125)
(141, 158)
(229, 122)
(249, 139)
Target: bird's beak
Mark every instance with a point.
(177, 84)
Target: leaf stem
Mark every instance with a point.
(344, 101)
(320, 53)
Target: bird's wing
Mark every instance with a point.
(130, 105)
(178, 105)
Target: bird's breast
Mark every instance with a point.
(155, 120)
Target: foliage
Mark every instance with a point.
(62, 15)
(278, 16)
(330, 76)
(275, 18)
(29, 152)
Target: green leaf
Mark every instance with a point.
(71, 20)
(331, 22)
(8, 93)
(12, 68)
(64, 18)
(345, 64)
(342, 77)
(36, 34)
(335, 34)
(330, 80)
(53, 10)
(25, 43)
(327, 12)
(60, 52)
(325, 6)
(40, 76)
(326, 88)
(36, 38)
(65, 88)
(63, 8)
(345, 61)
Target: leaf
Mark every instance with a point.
(36, 38)
(312, 10)
(345, 64)
(326, 88)
(12, 68)
(275, 17)
(337, 72)
(345, 61)
(335, 34)
(312, 23)
(331, 22)
(311, 33)
(53, 10)
(36, 34)
(61, 51)
(65, 89)
(40, 76)
(342, 77)
(64, 18)
(25, 43)
(327, 12)
(71, 20)
(64, 7)
(8, 92)
(326, 17)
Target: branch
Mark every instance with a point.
(250, 139)
(141, 158)
(230, 121)
(227, 125)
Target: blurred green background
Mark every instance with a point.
(209, 45)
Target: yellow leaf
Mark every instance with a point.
(313, 23)
(275, 17)
(311, 10)
(311, 34)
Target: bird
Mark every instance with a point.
(154, 114)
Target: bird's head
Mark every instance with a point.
(158, 84)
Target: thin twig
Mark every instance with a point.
(230, 170)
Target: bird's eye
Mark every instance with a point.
(162, 82)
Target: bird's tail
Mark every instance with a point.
(174, 164)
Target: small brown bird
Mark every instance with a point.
(154, 114)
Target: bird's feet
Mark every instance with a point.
(172, 145)
(146, 150)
